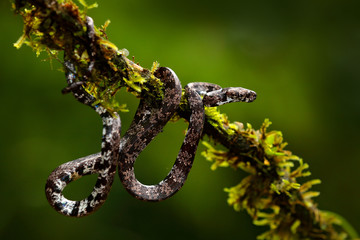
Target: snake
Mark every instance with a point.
(103, 163)
(148, 122)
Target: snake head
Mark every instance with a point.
(238, 94)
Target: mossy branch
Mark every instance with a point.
(271, 194)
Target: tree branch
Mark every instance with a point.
(270, 194)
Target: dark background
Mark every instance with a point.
(301, 57)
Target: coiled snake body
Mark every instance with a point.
(148, 122)
(103, 163)
(146, 126)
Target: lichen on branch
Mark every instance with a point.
(60, 26)
(271, 194)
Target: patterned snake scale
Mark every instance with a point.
(103, 164)
(148, 121)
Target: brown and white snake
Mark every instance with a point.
(148, 122)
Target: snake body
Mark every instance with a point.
(148, 121)
(103, 164)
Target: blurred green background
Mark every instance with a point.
(301, 57)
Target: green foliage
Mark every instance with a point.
(272, 194)
(61, 26)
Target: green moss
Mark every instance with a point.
(271, 194)
(57, 26)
